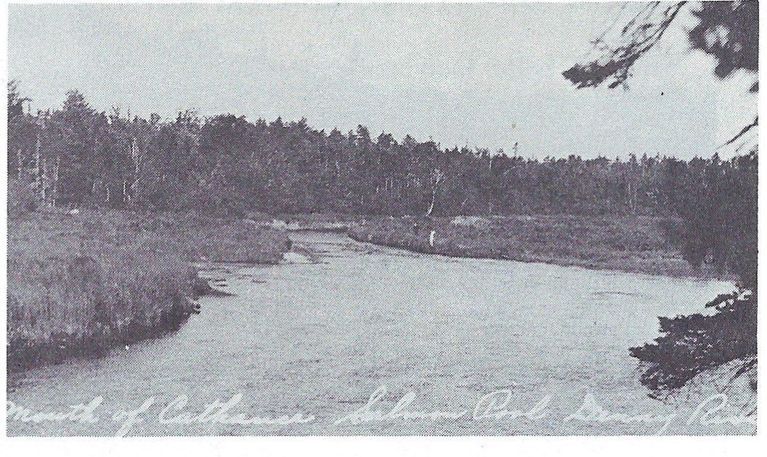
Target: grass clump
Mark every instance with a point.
(80, 284)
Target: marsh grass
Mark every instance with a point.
(80, 284)
(636, 244)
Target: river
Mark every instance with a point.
(454, 341)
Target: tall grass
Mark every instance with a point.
(84, 283)
(626, 243)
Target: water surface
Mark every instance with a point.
(319, 338)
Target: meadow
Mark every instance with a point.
(637, 244)
(80, 283)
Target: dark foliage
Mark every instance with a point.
(720, 227)
(227, 166)
(693, 344)
(728, 30)
(637, 37)
(718, 206)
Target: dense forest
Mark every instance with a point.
(227, 165)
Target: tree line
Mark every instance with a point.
(225, 164)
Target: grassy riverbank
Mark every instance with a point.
(625, 243)
(83, 283)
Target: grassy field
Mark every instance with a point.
(83, 283)
(626, 243)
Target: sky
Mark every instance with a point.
(477, 75)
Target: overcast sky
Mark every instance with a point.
(476, 75)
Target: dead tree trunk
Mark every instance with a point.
(134, 186)
(436, 179)
(39, 173)
(55, 181)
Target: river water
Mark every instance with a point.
(465, 346)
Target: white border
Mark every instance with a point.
(375, 446)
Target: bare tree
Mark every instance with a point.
(437, 177)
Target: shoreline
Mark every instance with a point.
(83, 283)
(210, 240)
(24, 355)
(469, 241)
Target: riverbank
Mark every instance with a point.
(310, 222)
(281, 336)
(82, 283)
(635, 244)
